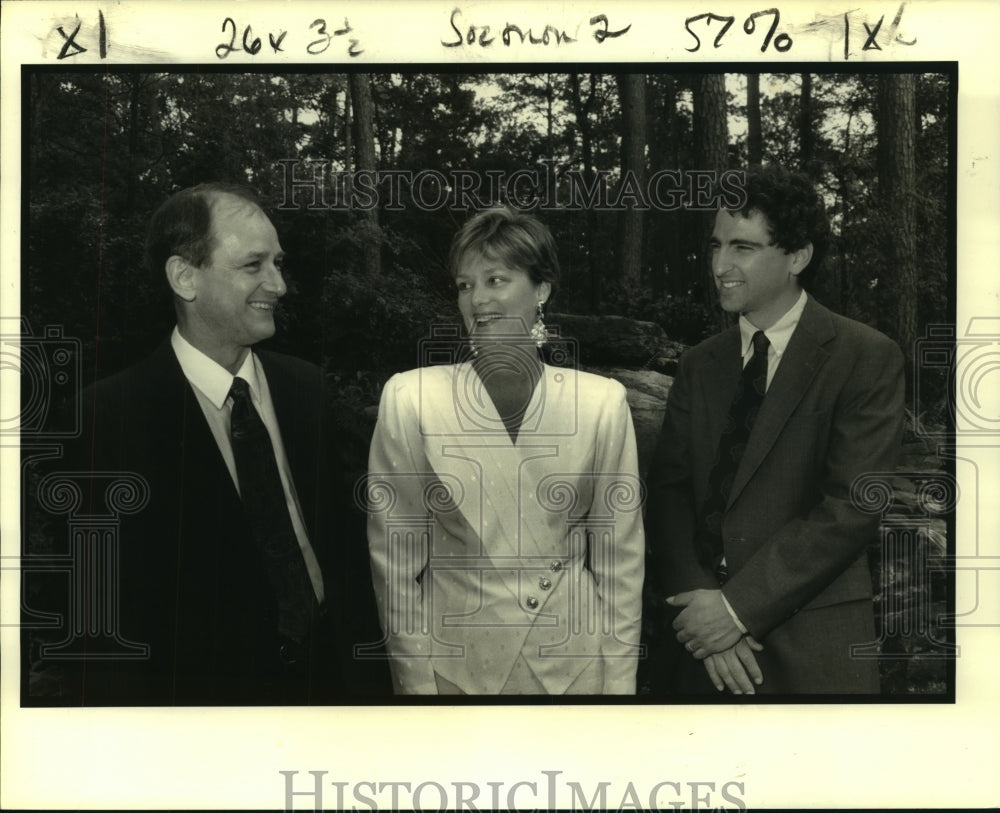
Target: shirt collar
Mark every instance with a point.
(780, 333)
(212, 379)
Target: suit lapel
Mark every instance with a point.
(802, 359)
(514, 516)
(183, 425)
(495, 511)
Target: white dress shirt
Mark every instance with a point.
(779, 334)
(211, 384)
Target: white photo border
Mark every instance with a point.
(793, 756)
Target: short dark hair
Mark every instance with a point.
(517, 239)
(182, 226)
(794, 210)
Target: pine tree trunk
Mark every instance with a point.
(807, 135)
(632, 94)
(711, 139)
(582, 108)
(348, 131)
(663, 236)
(755, 144)
(133, 141)
(897, 287)
(364, 141)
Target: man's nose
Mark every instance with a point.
(721, 261)
(275, 280)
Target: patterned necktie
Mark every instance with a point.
(267, 514)
(742, 414)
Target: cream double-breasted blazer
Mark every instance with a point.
(484, 549)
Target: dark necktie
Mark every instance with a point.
(742, 414)
(267, 514)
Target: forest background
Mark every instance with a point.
(103, 149)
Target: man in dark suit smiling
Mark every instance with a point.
(759, 550)
(233, 574)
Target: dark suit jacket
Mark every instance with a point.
(795, 546)
(192, 585)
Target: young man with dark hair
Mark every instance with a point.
(759, 552)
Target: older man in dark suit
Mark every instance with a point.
(240, 574)
(759, 550)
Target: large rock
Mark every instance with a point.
(647, 397)
(617, 341)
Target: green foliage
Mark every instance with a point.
(378, 324)
(380, 321)
(106, 148)
(683, 318)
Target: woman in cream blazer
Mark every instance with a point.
(505, 526)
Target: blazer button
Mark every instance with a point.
(545, 583)
(532, 602)
(556, 566)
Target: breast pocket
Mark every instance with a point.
(805, 440)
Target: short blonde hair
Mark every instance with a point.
(516, 239)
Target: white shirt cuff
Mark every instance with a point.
(732, 612)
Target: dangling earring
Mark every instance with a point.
(538, 332)
(473, 347)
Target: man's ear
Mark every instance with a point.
(181, 278)
(801, 258)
